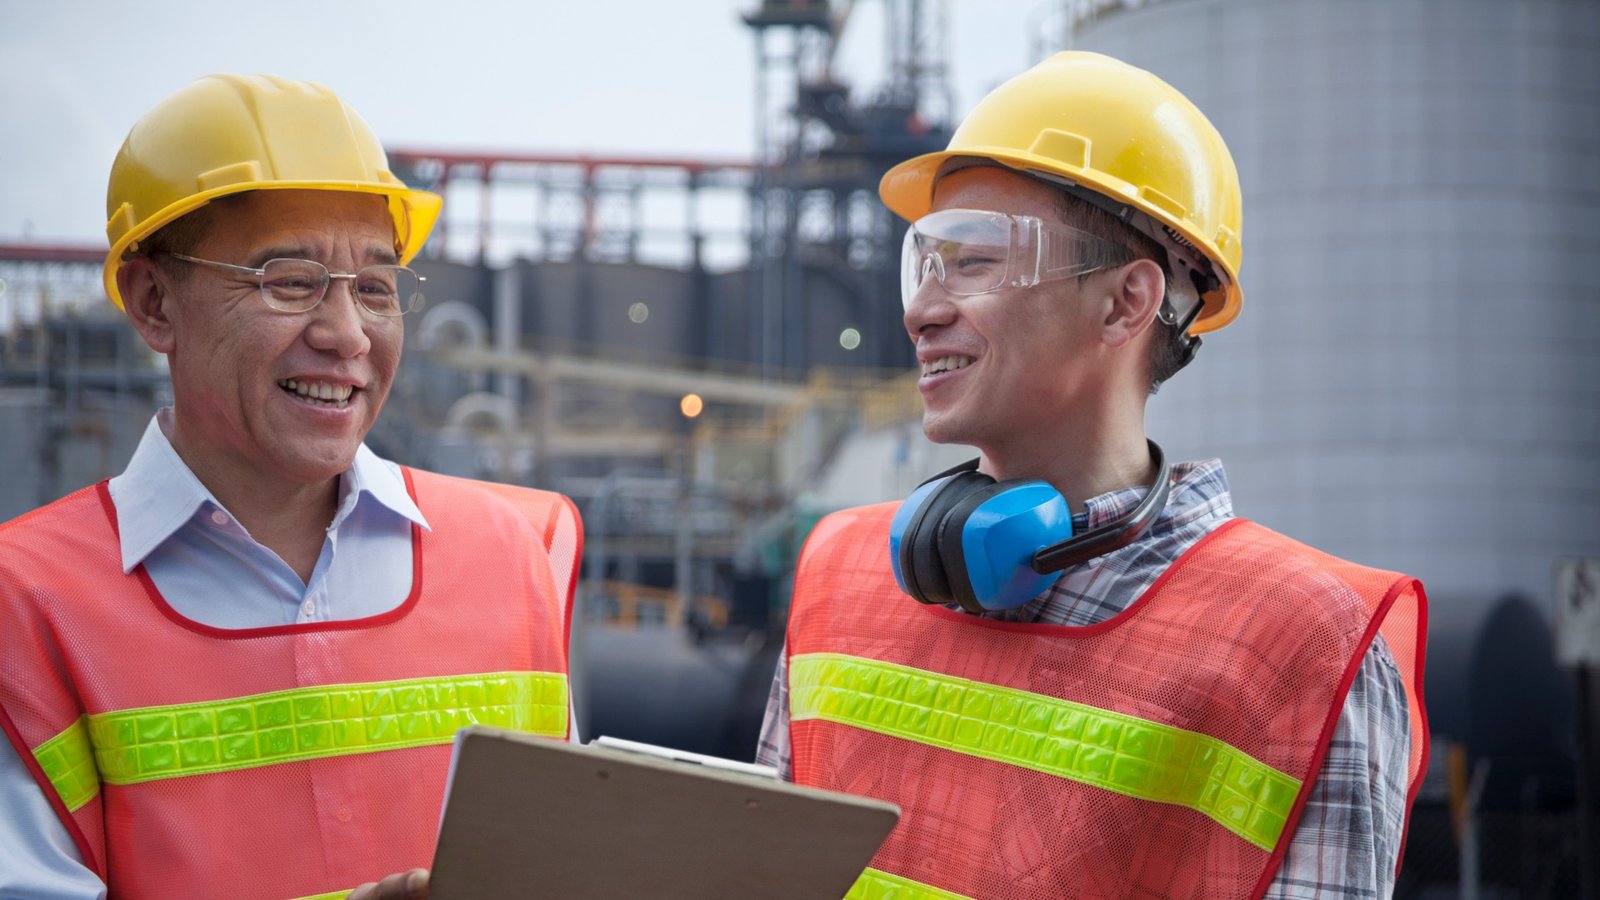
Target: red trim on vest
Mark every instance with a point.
(31, 763)
(577, 564)
(1416, 679)
(1325, 738)
(1079, 631)
(19, 743)
(178, 618)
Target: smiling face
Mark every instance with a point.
(1008, 371)
(266, 396)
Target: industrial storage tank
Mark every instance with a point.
(1414, 380)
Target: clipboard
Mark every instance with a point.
(532, 817)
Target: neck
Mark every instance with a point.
(1085, 458)
(287, 517)
(292, 523)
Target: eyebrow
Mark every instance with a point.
(379, 257)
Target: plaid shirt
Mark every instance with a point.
(1348, 838)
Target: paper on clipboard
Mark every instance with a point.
(685, 756)
(527, 816)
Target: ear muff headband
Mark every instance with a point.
(1116, 534)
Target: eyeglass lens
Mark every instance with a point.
(297, 285)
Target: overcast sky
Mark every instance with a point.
(648, 77)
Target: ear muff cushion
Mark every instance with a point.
(920, 562)
(952, 550)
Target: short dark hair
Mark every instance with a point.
(181, 235)
(1167, 351)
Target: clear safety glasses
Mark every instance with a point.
(972, 251)
(298, 285)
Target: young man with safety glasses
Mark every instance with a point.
(1111, 686)
(236, 669)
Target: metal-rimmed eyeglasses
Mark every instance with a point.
(298, 285)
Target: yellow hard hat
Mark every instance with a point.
(1101, 126)
(224, 134)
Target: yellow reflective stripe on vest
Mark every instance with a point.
(68, 761)
(1134, 757)
(876, 885)
(336, 895)
(136, 745)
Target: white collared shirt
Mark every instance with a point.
(209, 568)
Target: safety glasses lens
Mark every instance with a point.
(968, 251)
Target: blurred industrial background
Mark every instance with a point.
(706, 354)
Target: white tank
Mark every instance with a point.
(1414, 382)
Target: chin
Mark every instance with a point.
(941, 430)
(325, 465)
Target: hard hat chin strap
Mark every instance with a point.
(1188, 344)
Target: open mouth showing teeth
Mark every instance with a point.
(945, 364)
(334, 396)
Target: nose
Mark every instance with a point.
(338, 324)
(931, 306)
(930, 267)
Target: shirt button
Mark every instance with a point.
(344, 814)
(218, 517)
(308, 608)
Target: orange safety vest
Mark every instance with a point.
(288, 761)
(1165, 752)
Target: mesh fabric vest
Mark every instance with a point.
(1165, 752)
(190, 761)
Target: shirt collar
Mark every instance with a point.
(381, 480)
(157, 493)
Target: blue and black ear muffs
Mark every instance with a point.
(962, 537)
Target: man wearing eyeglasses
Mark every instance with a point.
(235, 669)
(1111, 687)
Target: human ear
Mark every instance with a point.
(147, 299)
(1136, 291)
